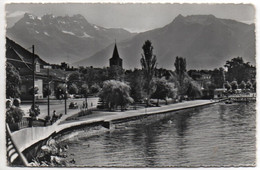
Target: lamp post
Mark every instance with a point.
(65, 99)
(48, 95)
(65, 95)
(146, 99)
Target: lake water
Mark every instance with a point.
(216, 135)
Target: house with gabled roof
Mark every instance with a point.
(22, 59)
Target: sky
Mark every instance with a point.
(132, 17)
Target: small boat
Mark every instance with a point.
(228, 102)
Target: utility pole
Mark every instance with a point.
(33, 63)
(48, 92)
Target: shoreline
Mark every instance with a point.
(39, 135)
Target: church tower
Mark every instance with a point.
(115, 60)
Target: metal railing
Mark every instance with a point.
(12, 152)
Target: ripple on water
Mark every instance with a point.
(218, 135)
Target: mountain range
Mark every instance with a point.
(205, 41)
(63, 38)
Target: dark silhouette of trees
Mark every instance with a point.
(148, 63)
(218, 77)
(238, 70)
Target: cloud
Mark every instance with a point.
(15, 14)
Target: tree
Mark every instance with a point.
(95, 88)
(227, 85)
(60, 91)
(136, 82)
(194, 91)
(180, 65)
(84, 90)
(148, 63)
(180, 69)
(46, 91)
(238, 70)
(234, 85)
(164, 90)
(115, 93)
(13, 81)
(74, 78)
(249, 84)
(73, 89)
(242, 85)
(116, 73)
(218, 77)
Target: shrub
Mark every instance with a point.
(36, 111)
(84, 113)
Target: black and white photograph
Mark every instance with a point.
(129, 85)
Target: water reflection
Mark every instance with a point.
(219, 135)
(149, 147)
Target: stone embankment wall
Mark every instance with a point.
(29, 139)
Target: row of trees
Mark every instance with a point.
(239, 71)
(150, 83)
(237, 75)
(243, 85)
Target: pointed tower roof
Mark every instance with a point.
(115, 53)
(115, 60)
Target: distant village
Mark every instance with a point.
(54, 74)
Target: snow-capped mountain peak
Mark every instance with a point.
(58, 36)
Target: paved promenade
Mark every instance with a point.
(59, 106)
(29, 136)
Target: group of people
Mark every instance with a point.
(85, 105)
(55, 116)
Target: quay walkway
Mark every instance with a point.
(27, 137)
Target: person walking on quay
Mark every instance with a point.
(54, 117)
(83, 105)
